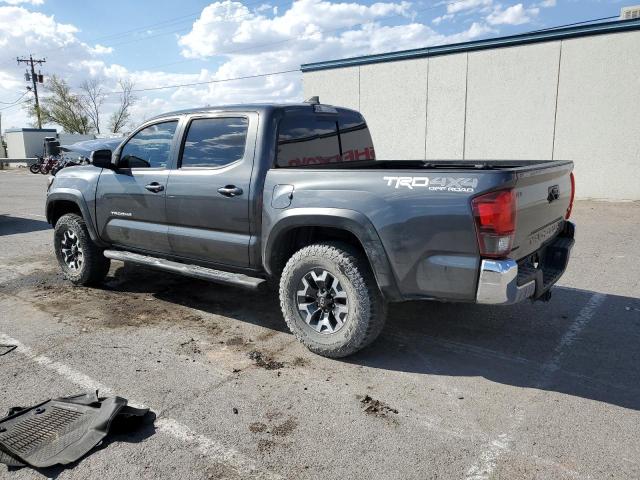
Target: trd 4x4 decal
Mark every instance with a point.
(447, 184)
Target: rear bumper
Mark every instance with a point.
(504, 282)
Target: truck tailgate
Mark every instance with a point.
(543, 195)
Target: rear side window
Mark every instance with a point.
(214, 142)
(307, 139)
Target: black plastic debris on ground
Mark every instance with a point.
(4, 349)
(60, 431)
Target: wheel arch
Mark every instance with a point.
(300, 227)
(60, 203)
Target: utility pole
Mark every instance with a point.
(35, 79)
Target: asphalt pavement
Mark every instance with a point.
(543, 390)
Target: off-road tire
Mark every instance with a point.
(95, 265)
(367, 308)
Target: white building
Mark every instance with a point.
(23, 143)
(570, 93)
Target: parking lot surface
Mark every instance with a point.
(545, 390)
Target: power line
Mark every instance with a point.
(15, 104)
(17, 100)
(222, 80)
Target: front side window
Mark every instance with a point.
(150, 147)
(215, 142)
(307, 139)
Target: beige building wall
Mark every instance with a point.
(383, 90)
(598, 118)
(511, 102)
(446, 107)
(575, 99)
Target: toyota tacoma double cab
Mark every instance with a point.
(294, 193)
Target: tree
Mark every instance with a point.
(91, 100)
(63, 108)
(121, 116)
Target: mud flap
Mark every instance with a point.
(60, 431)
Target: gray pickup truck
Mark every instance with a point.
(247, 193)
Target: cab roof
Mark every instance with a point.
(243, 107)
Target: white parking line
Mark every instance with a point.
(487, 462)
(213, 449)
(583, 318)
(489, 458)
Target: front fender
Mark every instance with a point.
(350, 220)
(75, 196)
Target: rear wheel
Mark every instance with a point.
(330, 300)
(34, 168)
(81, 260)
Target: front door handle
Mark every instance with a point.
(230, 191)
(154, 187)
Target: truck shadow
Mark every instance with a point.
(563, 345)
(10, 225)
(576, 344)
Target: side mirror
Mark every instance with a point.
(102, 159)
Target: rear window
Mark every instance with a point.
(307, 139)
(355, 137)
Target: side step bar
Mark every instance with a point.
(203, 273)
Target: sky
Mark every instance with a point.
(161, 43)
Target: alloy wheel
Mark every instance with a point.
(71, 249)
(322, 302)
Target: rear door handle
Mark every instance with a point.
(154, 187)
(230, 191)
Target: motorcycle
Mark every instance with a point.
(35, 167)
(49, 165)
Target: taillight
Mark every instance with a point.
(495, 216)
(573, 194)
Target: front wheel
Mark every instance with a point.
(330, 299)
(34, 168)
(81, 260)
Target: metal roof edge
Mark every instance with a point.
(14, 130)
(499, 42)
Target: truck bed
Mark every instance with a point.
(422, 211)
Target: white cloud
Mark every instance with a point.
(243, 42)
(23, 32)
(463, 5)
(310, 30)
(100, 49)
(547, 3)
(227, 24)
(513, 15)
(441, 18)
(18, 2)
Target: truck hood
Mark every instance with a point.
(80, 178)
(85, 148)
